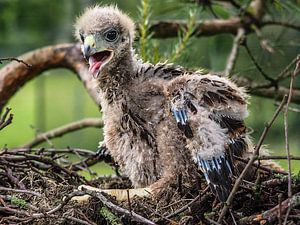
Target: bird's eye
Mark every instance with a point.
(81, 37)
(111, 35)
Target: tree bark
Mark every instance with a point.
(14, 75)
(168, 29)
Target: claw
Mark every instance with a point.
(119, 194)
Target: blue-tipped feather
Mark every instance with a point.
(217, 172)
(181, 118)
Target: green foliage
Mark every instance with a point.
(111, 218)
(184, 37)
(18, 202)
(145, 36)
(149, 48)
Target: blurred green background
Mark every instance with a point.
(57, 97)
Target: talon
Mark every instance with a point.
(119, 194)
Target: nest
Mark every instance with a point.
(36, 188)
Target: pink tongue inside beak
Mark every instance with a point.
(94, 65)
(97, 60)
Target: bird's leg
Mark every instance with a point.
(119, 194)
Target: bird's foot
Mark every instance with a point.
(119, 194)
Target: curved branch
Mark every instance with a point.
(168, 29)
(60, 131)
(14, 75)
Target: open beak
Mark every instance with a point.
(97, 57)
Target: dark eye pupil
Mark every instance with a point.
(111, 35)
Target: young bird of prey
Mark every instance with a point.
(161, 120)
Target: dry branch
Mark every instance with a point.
(169, 29)
(271, 214)
(60, 131)
(234, 51)
(14, 75)
(118, 209)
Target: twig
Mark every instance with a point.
(15, 59)
(279, 209)
(14, 179)
(263, 73)
(55, 165)
(43, 214)
(118, 209)
(272, 214)
(267, 157)
(4, 121)
(60, 131)
(182, 209)
(249, 164)
(239, 38)
(284, 73)
(212, 221)
(264, 168)
(48, 151)
(292, 109)
(77, 220)
(275, 182)
(20, 191)
(287, 215)
(281, 23)
(287, 147)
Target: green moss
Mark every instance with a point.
(18, 202)
(110, 217)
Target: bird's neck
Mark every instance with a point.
(115, 79)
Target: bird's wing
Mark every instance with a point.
(165, 71)
(210, 110)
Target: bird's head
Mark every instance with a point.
(106, 36)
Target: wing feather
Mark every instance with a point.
(210, 112)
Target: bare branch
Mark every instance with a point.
(267, 157)
(239, 38)
(167, 29)
(292, 109)
(261, 167)
(271, 214)
(20, 191)
(287, 147)
(60, 131)
(15, 75)
(118, 209)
